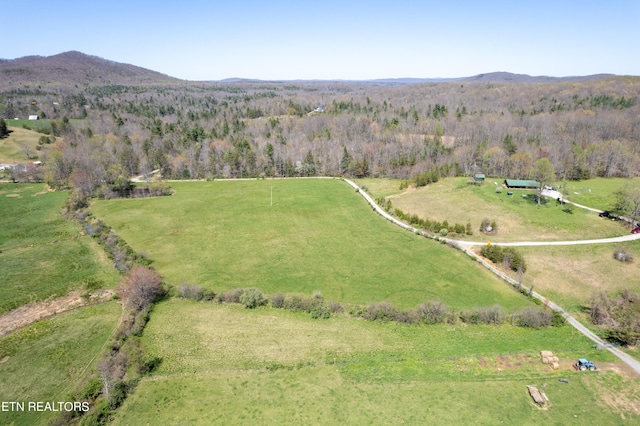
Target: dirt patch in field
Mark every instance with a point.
(620, 368)
(33, 312)
(13, 196)
(509, 362)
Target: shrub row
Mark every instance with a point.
(434, 226)
(432, 312)
(123, 256)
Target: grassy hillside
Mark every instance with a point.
(518, 218)
(223, 364)
(46, 360)
(318, 235)
(12, 148)
(41, 253)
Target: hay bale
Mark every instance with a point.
(546, 354)
(555, 359)
(555, 365)
(546, 360)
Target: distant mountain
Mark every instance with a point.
(507, 77)
(74, 68)
(71, 69)
(493, 77)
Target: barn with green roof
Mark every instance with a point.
(521, 184)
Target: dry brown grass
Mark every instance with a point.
(570, 275)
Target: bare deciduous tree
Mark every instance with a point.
(141, 288)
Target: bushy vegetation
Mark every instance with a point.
(443, 228)
(508, 257)
(623, 255)
(432, 312)
(618, 315)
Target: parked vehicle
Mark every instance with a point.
(583, 365)
(636, 230)
(604, 214)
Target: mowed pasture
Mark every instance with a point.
(316, 234)
(47, 360)
(41, 253)
(223, 364)
(518, 218)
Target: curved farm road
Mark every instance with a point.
(466, 247)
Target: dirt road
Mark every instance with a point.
(33, 312)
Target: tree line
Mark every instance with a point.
(244, 129)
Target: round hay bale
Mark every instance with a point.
(546, 354)
(555, 359)
(555, 366)
(546, 360)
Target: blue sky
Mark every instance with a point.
(329, 39)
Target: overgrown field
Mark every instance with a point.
(41, 253)
(318, 235)
(570, 275)
(223, 364)
(518, 218)
(46, 361)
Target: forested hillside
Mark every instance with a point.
(242, 129)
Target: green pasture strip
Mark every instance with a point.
(205, 337)
(41, 253)
(31, 216)
(36, 273)
(46, 360)
(223, 364)
(518, 218)
(321, 396)
(319, 234)
(35, 125)
(599, 193)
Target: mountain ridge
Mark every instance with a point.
(77, 68)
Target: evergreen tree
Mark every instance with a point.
(3, 128)
(346, 164)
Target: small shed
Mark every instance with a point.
(479, 178)
(521, 184)
(33, 117)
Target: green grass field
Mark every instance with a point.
(599, 193)
(45, 361)
(41, 253)
(223, 364)
(318, 235)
